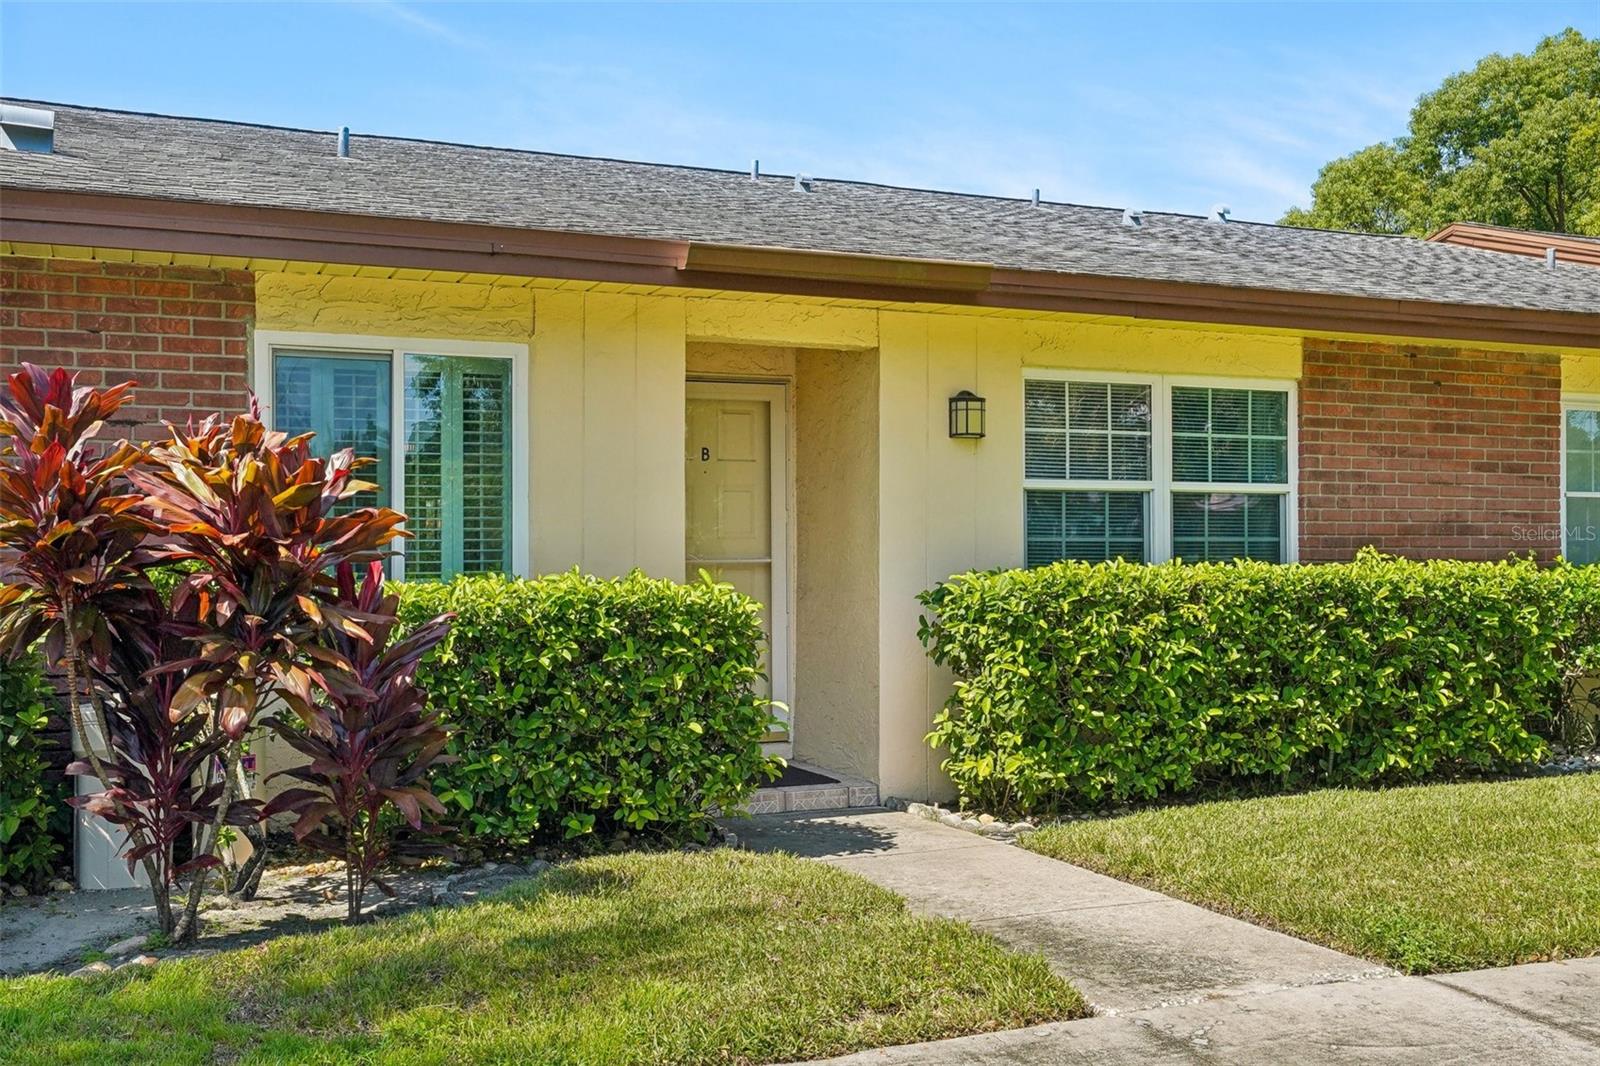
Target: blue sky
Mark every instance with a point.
(1160, 106)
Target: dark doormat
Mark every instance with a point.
(793, 775)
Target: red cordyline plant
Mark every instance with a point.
(158, 788)
(370, 738)
(256, 514)
(82, 528)
(74, 540)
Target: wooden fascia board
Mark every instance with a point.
(44, 217)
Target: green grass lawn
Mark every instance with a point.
(717, 957)
(1426, 879)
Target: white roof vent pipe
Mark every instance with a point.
(1550, 258)
(1133, 219)
(344, 142)
(755, 170)
(27, 129)
(1036, 198)
(1219, 213)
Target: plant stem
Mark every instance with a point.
(188, 926)
(248, 877)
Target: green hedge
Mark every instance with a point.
(30, 796)
(583, 706)
(1079, 684)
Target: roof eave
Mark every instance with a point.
(50, 217)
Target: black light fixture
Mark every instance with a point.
(966, 416)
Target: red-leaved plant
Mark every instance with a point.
(74, 538)
(257, 516)
(253, 513)
(370, 739)
(159, 788)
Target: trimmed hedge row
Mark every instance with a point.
(1078, 684)
(31, 798)
(583, 706)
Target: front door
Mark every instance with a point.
(735, 474)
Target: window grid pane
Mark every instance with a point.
(1085, 525)
(425, 469)
(1219, 526)
(486, 468)
(1086, 431)
(344, 400)
(1582, 459)
(1583, 449)
(1230, 436)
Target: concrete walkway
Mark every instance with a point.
(1175, 983)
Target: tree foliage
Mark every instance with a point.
(1515, 141)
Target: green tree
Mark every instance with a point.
(1515, 141)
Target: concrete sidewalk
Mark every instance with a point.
(1175, 983)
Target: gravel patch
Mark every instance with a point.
(90, 933)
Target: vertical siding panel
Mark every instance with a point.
(950, 499)
(658, 441)
(999, 488)
(951, 488)
(610, 333)
(556, 409)
(904, 763)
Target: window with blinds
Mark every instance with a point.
(1154, 468)
(458, 465)
(454, 419)
(1087, 470)
(1233, 446)
(1581, 471)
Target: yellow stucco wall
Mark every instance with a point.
(606, 415)
(1580, 373)
(608, 393)
(955, 505)
(605, 402)
(319, 303)
(835, 400)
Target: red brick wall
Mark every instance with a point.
(180, 332)
(1428, 452)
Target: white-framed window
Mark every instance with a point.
(1580, 479)
(445, 421)
(1149, 467)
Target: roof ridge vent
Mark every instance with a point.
(802, 183)
(1133, 218)
(27, 129)
(1219, 213)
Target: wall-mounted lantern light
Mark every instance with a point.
(966, 416)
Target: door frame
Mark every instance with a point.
(780, 653)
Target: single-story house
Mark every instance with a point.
(832, 393)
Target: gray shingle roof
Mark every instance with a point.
(101, 151)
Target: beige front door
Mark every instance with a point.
(735, 474)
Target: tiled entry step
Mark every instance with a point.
(815, 789)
